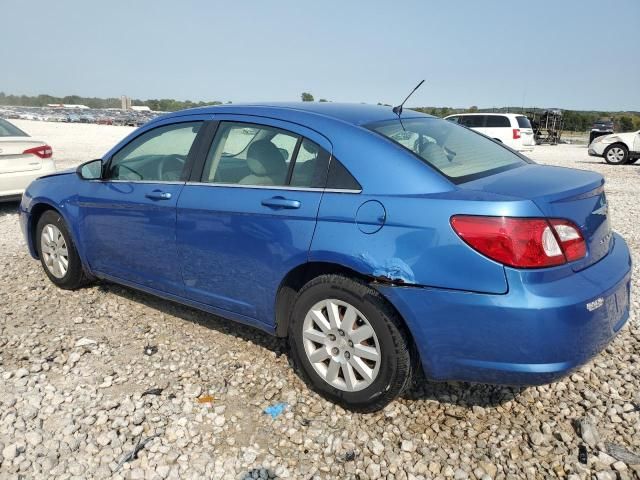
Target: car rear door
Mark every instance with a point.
(128, 217)
(247, 217)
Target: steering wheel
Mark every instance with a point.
(170, 168)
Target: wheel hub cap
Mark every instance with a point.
(341, 345)
(54, 251)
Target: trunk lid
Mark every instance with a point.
(559, 192)
(13, 160)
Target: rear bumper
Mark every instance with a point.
(548, 324)
(13, 184)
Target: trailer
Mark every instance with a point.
(547, 126)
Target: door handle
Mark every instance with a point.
(280, 202)
(158, 195)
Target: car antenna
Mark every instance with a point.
(398, 109)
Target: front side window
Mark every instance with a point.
(157, 155)
(458, 153)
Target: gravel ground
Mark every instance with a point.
(82, 396)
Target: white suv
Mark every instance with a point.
(617, 148)
(509, 128)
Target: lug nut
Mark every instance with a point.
(332, 337)
(341, 332)
(350, 343)
(347, 355)
(335, 351)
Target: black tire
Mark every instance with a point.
(74, 276)
(634, 160)
(616, 160)
(395, 368)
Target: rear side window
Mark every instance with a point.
(458, 153)
(498, 121)
(473, 121)
(523, 122)
(9, 130)
(262, 155)
(310, 169)
(339, 177)
(453, 119)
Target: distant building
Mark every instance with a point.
(139, 108)
(68, 106)
(125, 102)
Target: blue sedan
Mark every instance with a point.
(376, 242)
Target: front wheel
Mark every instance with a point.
(616, 154)
(349, 344)
(57, 252)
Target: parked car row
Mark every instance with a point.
(105, 116)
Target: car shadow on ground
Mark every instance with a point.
(9, 208)
(460, 394)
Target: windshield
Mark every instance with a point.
(9, 130)
(457, 152)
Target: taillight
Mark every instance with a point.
(570, 238)
(516, 133)
(43, 151)
(522, 242)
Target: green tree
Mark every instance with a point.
(306, 97)
(626, 124)
(323, 100)
(473, 108)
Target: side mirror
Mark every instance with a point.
(91, 170)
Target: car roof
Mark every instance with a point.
(353, 113)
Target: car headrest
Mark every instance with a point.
(264, 158)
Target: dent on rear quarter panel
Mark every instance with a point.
(416, 245)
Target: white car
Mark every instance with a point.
(22, 160)
(509, 128)
(617, 148)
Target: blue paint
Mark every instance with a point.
(219, 249)
(276, 409)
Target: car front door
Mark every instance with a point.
(249, 213)
(129, 216)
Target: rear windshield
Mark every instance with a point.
(523, 122)
(458, 153)
(9, 130)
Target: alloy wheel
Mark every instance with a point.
(341, 345)
(615, 155)
(54, 251)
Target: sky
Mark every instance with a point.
(572, 54)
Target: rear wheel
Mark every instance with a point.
(349, 344)
(616, 154)
(57, 252)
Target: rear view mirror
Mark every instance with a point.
(91, 170)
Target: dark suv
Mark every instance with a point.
(603, 126)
